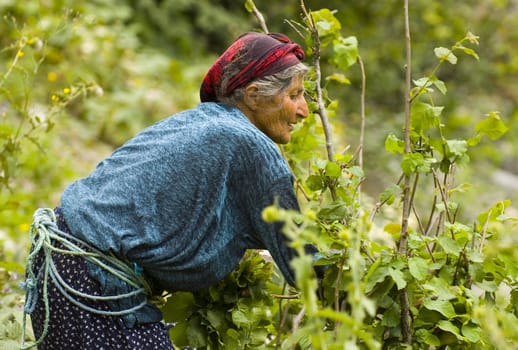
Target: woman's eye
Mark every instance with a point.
(296, 95)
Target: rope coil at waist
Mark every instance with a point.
(47, 238)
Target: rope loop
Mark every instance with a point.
(44, 234)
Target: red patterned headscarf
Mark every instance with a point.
(267, 54)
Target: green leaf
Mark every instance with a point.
(456, 148)
(390, 194)
(377, 274)
(398, 277)
(449, 245)
(315, 182)
(258, 335)
(469, 51)
(416, 162)
(196, 333)
(394, 228)
(411, 162)
(488, 286)
(231, 339)
(9, 344)
(474, 140)
(345, 52)
(476, 256)
(513, 304)
(326, 22)
(450, 327)
(492, 126)
(422, 82)
(460, 231)
(356, 171)
(418, 268)
(427, 337)
(232, 333)
(444, 307)
(471, 332)
(333, 211)
(440, 288)
(240, 319)
(422, 87)
(178, 334)
(445, 54)
(426, 82)
(304, 139)
(333, 169)
(216, 318)
(249, 6)
(394, 145)
(439, 84)
(179, 307)
(392, 316)
(425, 116)
(339, 78)
(493, 213)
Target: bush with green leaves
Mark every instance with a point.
(401, 273)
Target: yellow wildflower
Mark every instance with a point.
(20, 54)
(52, 76)
(24, 227)
(66, 91)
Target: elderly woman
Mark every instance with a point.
(173, 209)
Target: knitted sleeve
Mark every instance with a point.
(265, 178)
(270, 234)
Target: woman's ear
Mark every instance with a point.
(251, 97)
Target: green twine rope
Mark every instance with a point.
(43, 234)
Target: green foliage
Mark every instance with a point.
(11, 303)
(237, 313)
(450, 276)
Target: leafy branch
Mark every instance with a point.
(322, 112)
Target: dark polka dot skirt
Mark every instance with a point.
(71, 327)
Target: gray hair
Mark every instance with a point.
(268, 86)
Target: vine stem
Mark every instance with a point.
(259, 16)
(484, 232)
(318, 79)
(403, 242)
(362, 113)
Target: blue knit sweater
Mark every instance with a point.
(183, 198)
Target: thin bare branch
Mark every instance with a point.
(298, 319)
(406, 319)
(318, 80)
(362, 115)
(444, 195)
(259, 16)
(362, 112)
(484, 232)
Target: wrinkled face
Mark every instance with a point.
(277, 116)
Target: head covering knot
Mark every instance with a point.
(259, 55)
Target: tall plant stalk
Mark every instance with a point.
(406, 319)
(318, 80)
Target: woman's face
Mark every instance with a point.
(277, 116)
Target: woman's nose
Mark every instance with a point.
(302, 109)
